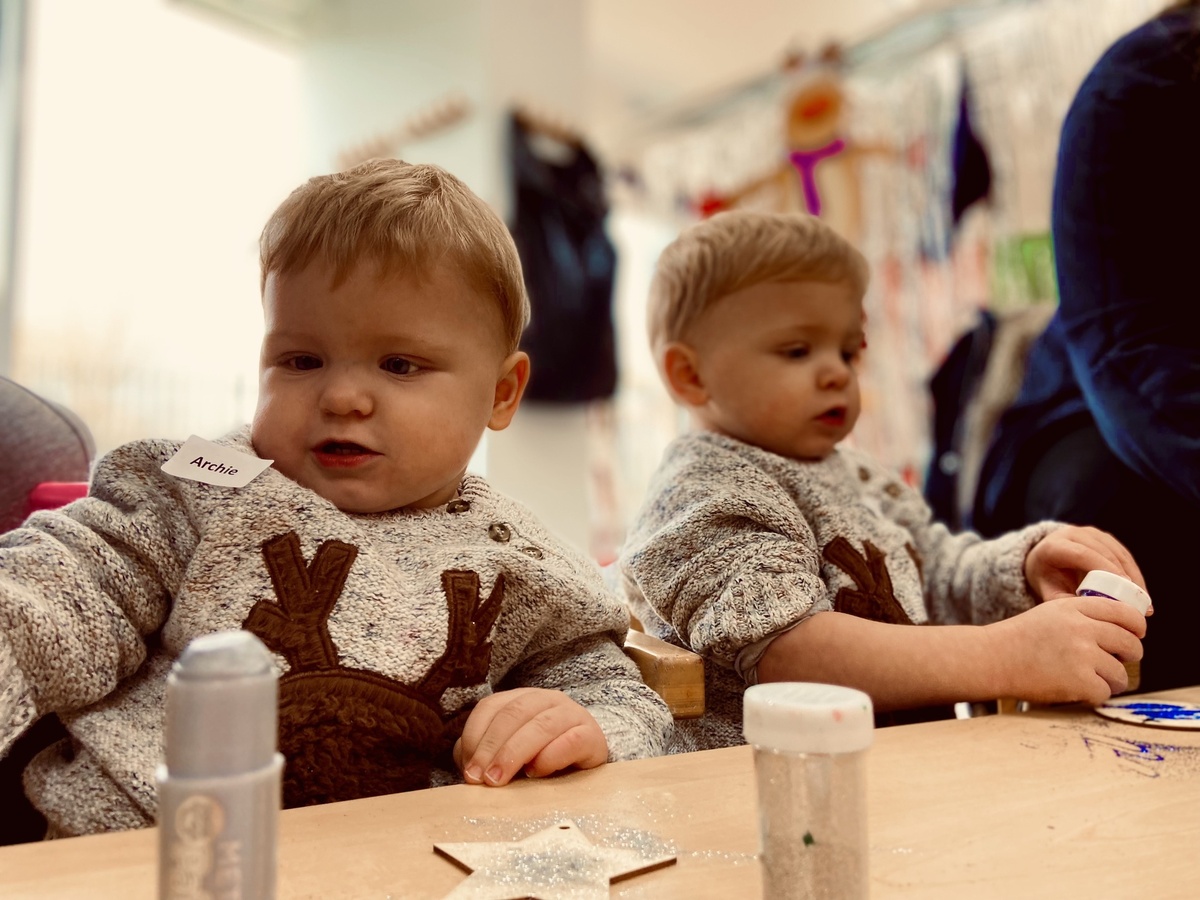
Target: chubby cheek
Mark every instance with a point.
(272, 432)
(771, 410)
(454, 442)
(853, 409)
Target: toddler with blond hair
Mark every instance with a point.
(780, 554)
(425, 625)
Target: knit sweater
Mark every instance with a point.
(735, 545)
(387, 629)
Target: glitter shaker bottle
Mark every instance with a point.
(810, 743)
(219, 789)
(1098, 583)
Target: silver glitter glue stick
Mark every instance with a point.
(220, 786)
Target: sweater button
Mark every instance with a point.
(458, 505)
(499, 532)
(532, 551)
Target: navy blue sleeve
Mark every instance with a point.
(1126, 224)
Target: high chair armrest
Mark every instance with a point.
(53, 494)
(675, 674)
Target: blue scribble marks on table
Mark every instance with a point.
(1142, 757)
(1164, 712)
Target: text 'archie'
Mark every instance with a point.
(221, 468)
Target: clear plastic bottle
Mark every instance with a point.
(810, 743)
(1098, 583)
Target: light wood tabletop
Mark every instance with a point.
(1055, 802)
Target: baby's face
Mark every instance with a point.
(376, 393)
(778, 363)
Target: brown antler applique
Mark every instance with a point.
(297, 626)
(468, 646)
(873, 596)
(350, 733)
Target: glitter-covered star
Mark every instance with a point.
(558, 863)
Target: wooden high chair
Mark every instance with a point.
(675, 674)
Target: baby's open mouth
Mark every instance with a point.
(834, 416)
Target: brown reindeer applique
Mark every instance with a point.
(349, 733)
(872, 596)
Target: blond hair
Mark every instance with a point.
(739, 249)
(405, 218)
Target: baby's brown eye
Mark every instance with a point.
(398, 365)
(304, 363)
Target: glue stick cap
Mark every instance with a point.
(1109, 584)
(222, 695)
(802, 717)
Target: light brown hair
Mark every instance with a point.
(405, 218)
(739, 249)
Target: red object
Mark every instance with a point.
(711, 204)
(53, 494)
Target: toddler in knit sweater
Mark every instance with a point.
(779, 554)
(426, 627)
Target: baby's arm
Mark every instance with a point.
(81, 588)
(566, 692)
(1064, 650)
(723, 556)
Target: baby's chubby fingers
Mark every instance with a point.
(543, 729)
(582, 745)
(1103, 609)
(1057, 563)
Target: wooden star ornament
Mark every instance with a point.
(557, 863)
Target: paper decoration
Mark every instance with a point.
(557, 863)
(1159, 713)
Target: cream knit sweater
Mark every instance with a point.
(387, 629)
(734, 545)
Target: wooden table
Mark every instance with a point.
(1049, 803)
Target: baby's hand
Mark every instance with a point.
(539, 730)
(1057, 563)
(1067, 649)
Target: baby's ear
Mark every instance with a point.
(510, 386)
(682, 376)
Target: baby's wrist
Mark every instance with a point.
(994, 656)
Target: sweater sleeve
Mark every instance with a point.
(595, 672)
(568, 629)
(967, 580)
(721, 553)
(82, 587)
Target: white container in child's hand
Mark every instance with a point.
(810, 743)
(1098, 583)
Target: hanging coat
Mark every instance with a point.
(570, 264)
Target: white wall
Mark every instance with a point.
(156, 145)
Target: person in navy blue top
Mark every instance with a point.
(1105, 430)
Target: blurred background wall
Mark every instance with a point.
(146, 141)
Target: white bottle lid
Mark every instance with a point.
(801, 717)
(1112, 585)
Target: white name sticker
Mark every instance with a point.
(201, 460)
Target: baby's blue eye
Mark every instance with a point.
(796, 352)
(398, 365)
